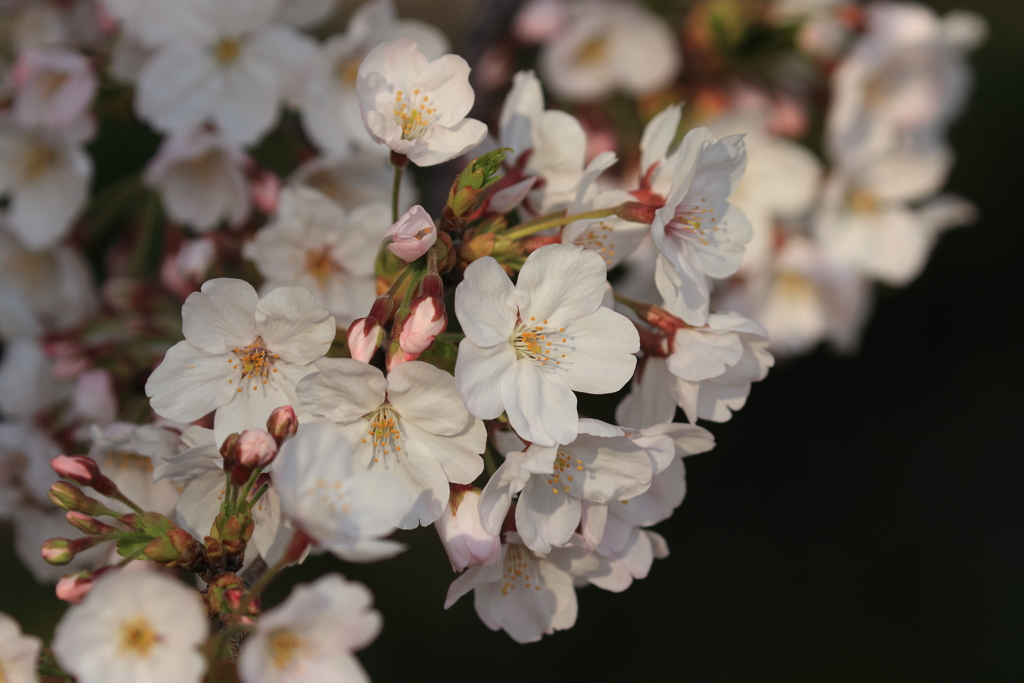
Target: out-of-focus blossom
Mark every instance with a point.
(186, 270)
(54, 88)
(45, 177)
(18, 652)
(342, 508)
(231, 68)
(28, 383)
(305, 13)
(330, 103)
(114, 449)
(311, 636)
(355, 180)
(201, 180)
(134, 626)
(314, 243)
(606, 46)
(415, 106)
(25, 474)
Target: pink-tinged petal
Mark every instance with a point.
(343, 390)
(560, 283)
(293, 326)
(474, 577)
(702, 354)
(221, 316)
(426, 396)
(685, 395)
(600, 357)
(496, 497)
(441, 144)
(478, 377)
(483, 303)
(540, 405)
(190, 383)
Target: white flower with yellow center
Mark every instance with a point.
(18, 653)
(601, 465)
(45, 177)
(698, 230)
(526, 594)
(229, 65)
(410, 424)
(311, 636)
(316, 244)
(415, 106)
(330, 104)
(343, 508)
(242, 356)
(529, 346)
(134, 626)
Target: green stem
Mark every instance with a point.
(259, 494)
(243, 495)
(396, 186)
(535, 226)
(639, 306)
(406, 272)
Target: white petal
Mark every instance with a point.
(560, 283)
(478, 376)
(600, 360)
(190, 383)
(540, 405)
(293, 326)
(483, 303)
(220, 317)
(342, 390)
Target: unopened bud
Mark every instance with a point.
(67, 496)
(228, 447)
(74, 587)
(282, 424)
(413, 234)
(88, 525)
(78, 468)
(637, 212)
(363, 339)
(465, 540)
(255, 448)
(426, 320)
(60, 551)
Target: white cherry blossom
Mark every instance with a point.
(355, 180)
(54, 88)
(242, 356)
(134, 626)
(465, 540)
(415, 106)
(330, 102)
(526, 594)
(410, 424)
(314, 243)
(343, 508)
(201, 180)
(311, 636)
(698, 230)
(529, 346)
(600, 465)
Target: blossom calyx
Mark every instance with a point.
(413, 235)
(466, 193)
(637, 212)
(282, 424)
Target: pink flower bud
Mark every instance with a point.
(464, 538)
(60, 551)
(74, 587)
(256, 448)
(426, 320)
(363, 341)
(265, 189)
(87, 524)
(282, 424)
(412, 235)
(540, 20)
(78, 468)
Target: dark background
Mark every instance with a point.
(860, 520)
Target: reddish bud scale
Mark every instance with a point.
(282, 424)
(638, 212)
(67, 496)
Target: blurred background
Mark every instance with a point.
(861, 520)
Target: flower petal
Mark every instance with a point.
(478, 377)
(342, 389)
(483, 303)
(540, 405)
(560, 283)
(220, 316)
(190, 383)
(293, 326)
(602, 359)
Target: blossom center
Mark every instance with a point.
(137, 637)
(284, 646)
(36, 161)
(690, 221)
(320, 265)
(598, 238)
(413, 113)
(863, 201)
(593, 52)
(49, 84)
(517, 567)
(119, 460)
(255, 362)
(227, 50)
(565, 465)
(347, 70)
(539, 343)
(385, 432)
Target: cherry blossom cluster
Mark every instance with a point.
(255, 345)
